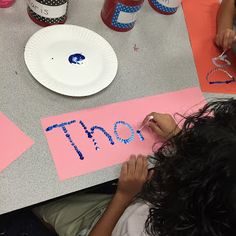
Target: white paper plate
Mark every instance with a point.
(71, 60)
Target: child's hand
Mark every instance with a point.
(225, 39)
(162, 124)
(134, 173)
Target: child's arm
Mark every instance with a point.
(225, 34)
(133, 175)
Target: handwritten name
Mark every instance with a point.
(90, 134)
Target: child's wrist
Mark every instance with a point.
(123, 198)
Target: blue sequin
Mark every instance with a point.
(63, 124)
(64, 129)
(49, 128)
(125, 141)
(140, 135)
(91, 132)
(73, 145)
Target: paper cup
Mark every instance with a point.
(166, 7)
(120, 15)
(49, 12)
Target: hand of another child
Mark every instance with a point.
(134, 173)
(225, 38)
(163, 125)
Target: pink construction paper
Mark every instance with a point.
(66, 158)
(13, 142)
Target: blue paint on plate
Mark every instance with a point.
(76, 58)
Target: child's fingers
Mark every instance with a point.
(156, 128)
(225, 41)
(228, 39)
(160, 120)
(124, 169)
(145, 167)
(231, 39)
(140, 164)
(220, 39)
(147, 118)
(131, 165)
(217, 40)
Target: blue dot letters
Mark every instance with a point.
(90, 134)
(125, 141)
(163, 8)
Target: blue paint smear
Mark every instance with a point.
(140, 135)
(76, 58)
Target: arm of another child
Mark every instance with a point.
(134, 174)
(225, 35)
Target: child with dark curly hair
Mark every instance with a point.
(191, 191)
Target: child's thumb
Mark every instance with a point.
(155, 128)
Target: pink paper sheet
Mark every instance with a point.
(13, 142)
(67, 157)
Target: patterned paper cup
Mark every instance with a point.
(47, 12)
(166, 7)
(120, 15)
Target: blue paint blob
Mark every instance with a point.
(71, 122)
(63, 124)
(76, 58)
(49, 128)
(140, 135)
(64, 129)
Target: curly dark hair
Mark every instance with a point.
(193, 189)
